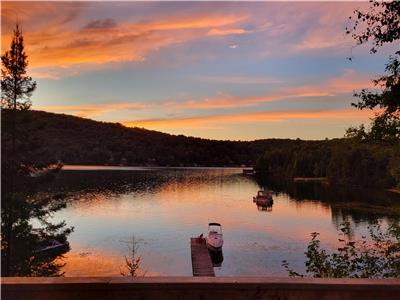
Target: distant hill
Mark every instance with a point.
(75, 140)
(44, 137)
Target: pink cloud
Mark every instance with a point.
(58, 43)
(90, 110)
(228, 31)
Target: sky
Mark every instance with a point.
(220, 70)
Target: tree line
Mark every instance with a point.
(342, 161)
(75, 140)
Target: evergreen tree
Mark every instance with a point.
(16, 86)
(21, 161)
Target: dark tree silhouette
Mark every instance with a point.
(381, 25)
(16, 86)
(21, 161)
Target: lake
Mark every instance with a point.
(164, 207)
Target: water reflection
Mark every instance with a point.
(165, 207)
(264, 200)
(29, 251)
(346, 203)
(264, 207)
(217, 257)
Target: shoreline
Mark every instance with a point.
(394, 190)
(311, 179)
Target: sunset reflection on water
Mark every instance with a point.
(163, 208)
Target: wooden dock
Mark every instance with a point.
(201, 260)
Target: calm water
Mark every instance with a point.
(163, 208)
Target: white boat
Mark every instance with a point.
(215, 238)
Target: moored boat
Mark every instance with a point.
(215, 238)
(263, 198)
(248, 171)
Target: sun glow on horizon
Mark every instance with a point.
(225, 70)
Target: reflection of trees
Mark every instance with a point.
(20, 240)
(115, 182)
(357, 204)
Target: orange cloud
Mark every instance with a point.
(344, 83)
(228, 101)
(265, 116)
(61, 43)
(242, 79)
(229, 31)
(89, 110)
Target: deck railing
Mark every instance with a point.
(231, 288)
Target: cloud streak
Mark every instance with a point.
(103, 41)
(265, 116)
(91, 110)
(347, 82)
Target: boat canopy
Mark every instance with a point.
(263, 193)
(214, 224)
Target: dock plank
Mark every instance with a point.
(201, 260)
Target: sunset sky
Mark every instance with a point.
(218, 70)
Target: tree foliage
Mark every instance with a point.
(381, 25)
(341, 161)
(16, 85)
(75, 140)
(378, 257)
(132, 263)
(19, 236)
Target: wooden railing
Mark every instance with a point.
(231, 288)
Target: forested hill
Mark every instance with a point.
(75, 140)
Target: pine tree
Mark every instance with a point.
(20, 201)
(16, 86)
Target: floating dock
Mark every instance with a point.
(201, 260)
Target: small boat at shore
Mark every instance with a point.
(215, 238)
(248, 171)
(263, 198)
(52, 246)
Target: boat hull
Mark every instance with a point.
(214, 249)
(215, 241)
(264, 201)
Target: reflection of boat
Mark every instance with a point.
(52, 246)
(248, 171)
(263, 198)
(217, 258)
(264, 207)
(215, 239)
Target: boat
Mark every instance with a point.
(263, 198)
(248, 171)
(52, 246)
(215, 238)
